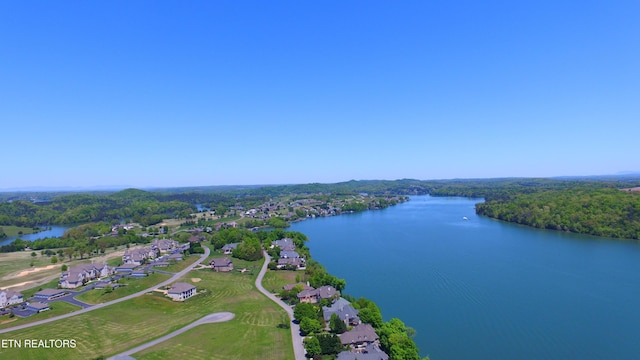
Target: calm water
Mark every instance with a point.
(483, 289)
(56, 231)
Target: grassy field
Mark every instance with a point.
(15, 268)
(134, 285)
(253, 334)
(181, 265)
(274, 280)
(11, 230)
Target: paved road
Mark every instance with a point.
(211, 318)
(298, 347)
(99, 306)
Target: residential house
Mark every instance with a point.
(181, 291)
(222, 264)
(37, 306)
(343, 309)
(227, 249)
(164, 245)
(48, 294)
(298, 263)
(370, 352)
(289, 254)
(285, 244)
(138, 256)
(80, 275)
(314, 296)
(10, 297)
(360, 336)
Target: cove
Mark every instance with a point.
(485, 289)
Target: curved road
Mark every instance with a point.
(175, 277)
(211, 318)
(298, 347)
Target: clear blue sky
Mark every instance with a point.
(187, 93)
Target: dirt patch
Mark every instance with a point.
(195, 280)
(32, 271)
(19, 284)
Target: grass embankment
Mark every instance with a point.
(274, 280)
(11, 230)
(253, 334)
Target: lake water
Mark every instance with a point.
(483, 289)
(55, 231)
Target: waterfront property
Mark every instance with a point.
(314, 296)
(343, 309)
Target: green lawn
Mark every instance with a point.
(274, 280)
(11, 230)
(134, 285)
(181, 265)
(253, 334)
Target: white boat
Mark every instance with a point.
(465, 218)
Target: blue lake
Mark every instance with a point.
(483, 289)
(55, 231)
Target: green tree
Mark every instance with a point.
(312, 345)
(64, 267)
(54, 259)
(310, 326)
(329, 343)
(336, 325)
(33, 254)
(305, 310)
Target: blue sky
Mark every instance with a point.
(155, 94)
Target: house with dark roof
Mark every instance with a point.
(314, 296)
(289, 254)
(222, 264)
(181, 291)
(291, 263)
(370, 352)
(360, 336)
(343, 309)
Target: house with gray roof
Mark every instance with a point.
(289, 254)
(181, 291)
(48, 294)
(370, 352)
(314, 296)
(138, 256)
(297, 263)
(37, 306)
(228, 248)
(343, 309)
(80, 275)
(360, 336)
(285, 244)
(10, 297)
(221, 264)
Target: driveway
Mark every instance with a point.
(211, 318)
(298, 347)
